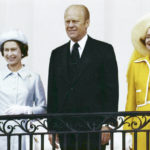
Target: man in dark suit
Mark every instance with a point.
(83, 75)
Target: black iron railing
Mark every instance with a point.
(20, 126)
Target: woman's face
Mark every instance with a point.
(12, 53)
(147, 40)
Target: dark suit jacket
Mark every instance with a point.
(95, 87)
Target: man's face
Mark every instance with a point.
(75, 23)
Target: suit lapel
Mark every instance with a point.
(65, 53)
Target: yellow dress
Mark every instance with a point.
(141, 136)
(138, 98)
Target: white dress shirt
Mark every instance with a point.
(81, 43)
(21, 88)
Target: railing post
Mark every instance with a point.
(88, 141)
(54, 141)
(76, 142)
(31, 142)
(147, 140)
(42, 142)
(111, 141)
(20, 142)
(123, 141)
(65, 141)
(8, 142)
(100, 134)
(135, 140)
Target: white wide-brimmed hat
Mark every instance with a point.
(139, 32)
(13, 35)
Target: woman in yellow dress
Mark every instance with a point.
(138, 78)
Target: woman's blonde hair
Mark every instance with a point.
(138, 36)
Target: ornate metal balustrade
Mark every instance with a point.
(30, 125)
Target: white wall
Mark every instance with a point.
(42, 22)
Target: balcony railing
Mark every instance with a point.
(21, 126)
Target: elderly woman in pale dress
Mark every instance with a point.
(21, 90)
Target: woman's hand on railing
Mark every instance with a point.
(50, 138)
(105, 136)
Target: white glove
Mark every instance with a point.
(17, 109)
(128, 141)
